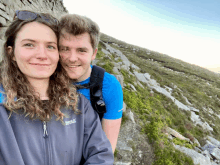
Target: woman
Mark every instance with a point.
(36, 94)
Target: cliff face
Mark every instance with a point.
(8, 8)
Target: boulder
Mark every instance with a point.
(196, 157)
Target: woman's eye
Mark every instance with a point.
(29, 45)
(51, 47)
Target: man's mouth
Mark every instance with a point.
(73, 66)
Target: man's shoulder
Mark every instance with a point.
(109, 78)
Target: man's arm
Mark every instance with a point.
(111, 129)
(113, 98)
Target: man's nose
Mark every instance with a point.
(73, 56)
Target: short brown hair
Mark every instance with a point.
(76, 24)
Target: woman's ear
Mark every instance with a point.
(9, 51)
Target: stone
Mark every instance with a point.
(140, 84)
(105, 51)
(131, 116)
(124, 107)
(132, 86)
(122, 163)
(135, 67)
(115, 70)
(175, 133)
(216, 153)
(120, 78)
(197, 142)
(125, 67)
(1, 48)
(2, 21)
(206, 153)
(196, 157)
(5, 15)
(209, 147)
(214, 141)
(2, 32)
(117, 65)
(2, 6)
(94, 62)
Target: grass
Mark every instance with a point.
(155, 111)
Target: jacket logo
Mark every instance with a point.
(70, 122)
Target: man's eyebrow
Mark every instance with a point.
(35, 41)
(83, 48)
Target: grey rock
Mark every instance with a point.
(2, 7)
(117, 65)
(122, 163)
(5, 15)
(105, 51)
(131, 116)
(120, 78)
(115, 70)
(197, 142)
(132, 86)
(94, 62)
(124, 107)
(2, 21)
(216, 153)
(214, 141)
(209, 147)
(125, 67)
(135, 67)
(122, 145)
(197, 149)
(196, 157)
(206, 153)
(140, 84)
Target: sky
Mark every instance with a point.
(185, 29)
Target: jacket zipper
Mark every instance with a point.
(45, 135)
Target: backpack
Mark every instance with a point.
(95, 85)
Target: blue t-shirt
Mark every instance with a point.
(112, 96)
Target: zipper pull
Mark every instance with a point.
(45, 135)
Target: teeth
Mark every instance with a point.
(73, 66)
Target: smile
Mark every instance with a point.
(74, 66)
(40, 64)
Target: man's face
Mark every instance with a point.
(76, 55)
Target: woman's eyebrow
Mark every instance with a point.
(49, 42)
(28, 40)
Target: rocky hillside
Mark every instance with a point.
(171, 108)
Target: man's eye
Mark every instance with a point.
(81, 50)
(64, 49)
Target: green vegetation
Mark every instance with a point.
(155, 111)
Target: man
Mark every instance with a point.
(79, 38)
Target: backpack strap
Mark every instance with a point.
(96, 82)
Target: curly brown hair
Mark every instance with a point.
(20, 95)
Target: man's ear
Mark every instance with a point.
(9, 51)
(94, 54)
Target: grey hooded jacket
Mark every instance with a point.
(27, 142)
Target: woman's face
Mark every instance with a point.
(36, 51)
